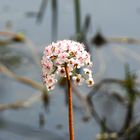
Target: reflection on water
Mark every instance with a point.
(113, 17)
(20, 131)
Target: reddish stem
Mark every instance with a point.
(70, 105)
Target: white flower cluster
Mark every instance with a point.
(69, 52)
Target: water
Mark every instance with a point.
(114, 18)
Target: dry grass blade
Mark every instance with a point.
(29, 82)
(99, 40)
(17, 37)
(21, 104)
(123, 40)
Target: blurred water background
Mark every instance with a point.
(57, 22)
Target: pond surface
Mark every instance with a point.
(113, 18)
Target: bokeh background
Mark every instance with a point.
(110, 32)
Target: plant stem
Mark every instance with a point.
(70, 105)
(77, 16)
(130, 112)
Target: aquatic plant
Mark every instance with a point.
(68, 59)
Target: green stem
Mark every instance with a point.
(77, 16)
(130, 111)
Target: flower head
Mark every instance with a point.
(90, 82)
(57, 55)
(78, 79)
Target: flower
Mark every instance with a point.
(90, 82)
(61, 71)
(78, 79)
(57, 55)
(88, 72)
(47, 66)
